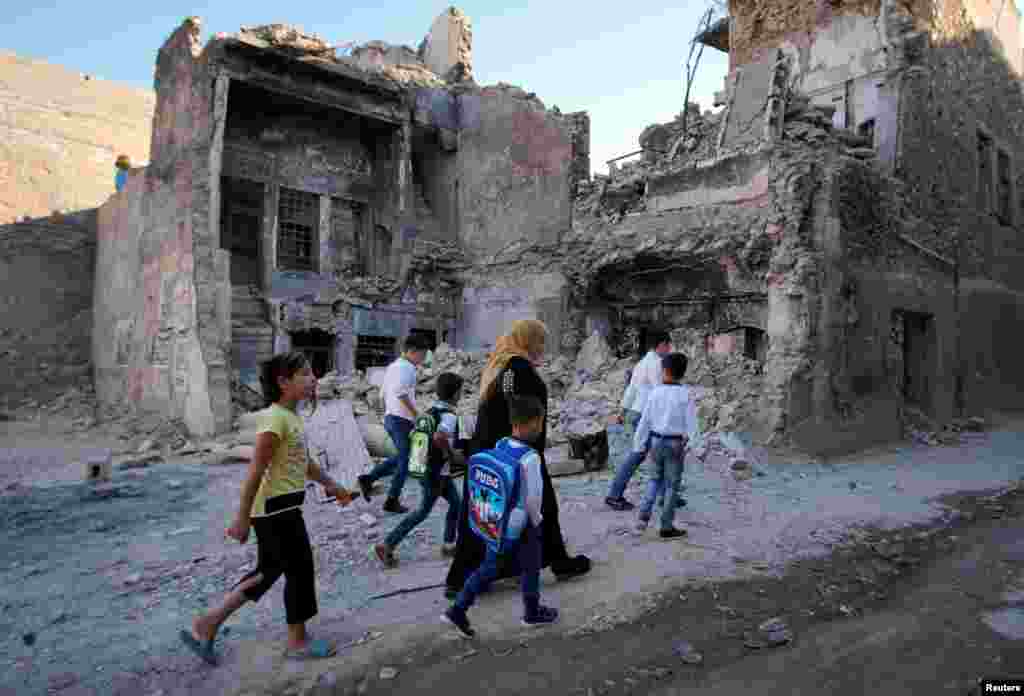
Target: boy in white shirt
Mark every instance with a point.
(399, 420)
(646, 376)
(524, 544)
(665, 423)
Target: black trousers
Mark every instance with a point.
(283, 548)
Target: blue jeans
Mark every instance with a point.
(527, 550)
(396, 467)
(433, 487)
(632, 460)
(667, 472)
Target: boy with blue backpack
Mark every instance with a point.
(505, 496)
(435, 459)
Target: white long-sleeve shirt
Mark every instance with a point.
(646, 376)
(399, 381)
(669, 410)
(531, 487)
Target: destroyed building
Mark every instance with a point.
(297, 198)
(840, 245)
(835, 248)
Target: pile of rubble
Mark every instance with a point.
(584, 394)
(667, 148)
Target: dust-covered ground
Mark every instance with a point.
(97, 580)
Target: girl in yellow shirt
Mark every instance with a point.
(271, 504)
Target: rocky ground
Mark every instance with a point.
(98, 578)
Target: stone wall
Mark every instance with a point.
(60, 132)
(514, 163)
(962, 107)
(759, 26)
(46, 274)
(162, 313)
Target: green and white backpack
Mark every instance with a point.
(421, 442)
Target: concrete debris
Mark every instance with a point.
(687, 653)
(242, 454)
(388, 673)
(594, 354)
(771, 633)
(368, 519)
(140, 462)
(284, 37)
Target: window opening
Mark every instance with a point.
(241, 226)
(346, 221)
(755, 343)
(374, 351)
(318, 346)
(298, 220)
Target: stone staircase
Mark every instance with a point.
(252, 336)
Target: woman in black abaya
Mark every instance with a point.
(510, 371)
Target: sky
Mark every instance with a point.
(623, 63)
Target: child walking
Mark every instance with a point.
(519, 538)
(665, 423)
(271, 503)
(443, 453)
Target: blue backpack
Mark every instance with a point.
(495, 514)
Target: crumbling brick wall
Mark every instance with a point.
(46, 273)
(962, 109)
(579, 132)
(759, 26)
(162, 324)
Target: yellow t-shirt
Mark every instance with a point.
(284, 482)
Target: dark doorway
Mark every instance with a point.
(755, 343)
(319, 349)
(918, 354)
(241, 228)
(374, 351)
(427, 335)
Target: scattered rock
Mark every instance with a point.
(388, 673)
(771, 633)
(739, 464)
(743, 474)
(853, 485)
(687, 653)
(133, 579)
(174, 484)
(146, 446)
(29, 639)
(242, 454)
(594, 354)
(141, 462)
(368, 519)
(64, 680)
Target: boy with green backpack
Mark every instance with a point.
(436, 456)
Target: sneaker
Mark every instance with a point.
(672, 533)
(641, 523)
(393, 506)
(459, 620)
(619, 504)
(366, 486)
(542, 617)
(385, 555)
(448, 550)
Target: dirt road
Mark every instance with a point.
(96, 582)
